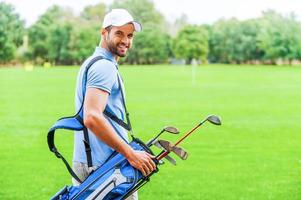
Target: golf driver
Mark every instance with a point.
(212, 119)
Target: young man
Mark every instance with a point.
(103, 91)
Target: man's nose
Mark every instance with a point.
(124, 40)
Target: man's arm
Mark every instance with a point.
(94, 105)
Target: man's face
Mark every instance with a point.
(119, 39)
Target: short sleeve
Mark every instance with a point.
(102, 75)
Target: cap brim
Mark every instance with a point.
(137, 26)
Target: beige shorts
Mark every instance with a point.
(82, 171)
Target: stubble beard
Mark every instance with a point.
(113, 48)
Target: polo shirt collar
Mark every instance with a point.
(99, 51)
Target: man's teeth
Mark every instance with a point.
(122, 46)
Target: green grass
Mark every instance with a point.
(255, 154)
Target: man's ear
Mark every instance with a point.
(103, 31)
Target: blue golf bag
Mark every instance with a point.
(116, 178)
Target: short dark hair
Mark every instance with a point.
(109, 28)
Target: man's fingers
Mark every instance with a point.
(150, 155)
(153, 164)
(149, 166)
(142, 170)
(144, 162)
(147, 169)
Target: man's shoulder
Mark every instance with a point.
(100, 61)
(101, 66)
(104, 66)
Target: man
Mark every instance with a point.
(103, 91)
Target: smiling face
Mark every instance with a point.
(118, 39)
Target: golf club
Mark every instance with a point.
(170, 159)
(169, 129)
(168, 146)
(179, 151)
(212, 119)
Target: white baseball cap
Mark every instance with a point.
(120, 17)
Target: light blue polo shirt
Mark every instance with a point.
(102, 75)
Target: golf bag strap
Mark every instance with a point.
(52, 147)
(76, 123)
(117, 120)
(72, 173)
(86, 140)
(87, 147)
(127, 114)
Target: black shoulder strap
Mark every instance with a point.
(120, 122)
(125, 125)
(86, 140)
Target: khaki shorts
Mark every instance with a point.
(82, 171)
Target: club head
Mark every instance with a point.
(170, 159)
(214, 120)
(171, 129)
(166, 145)
(180, 152)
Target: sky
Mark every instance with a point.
(197, 11)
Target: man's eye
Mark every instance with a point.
(118, 33)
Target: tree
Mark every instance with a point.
(191, 43)
(39, 34)
(94, 14)
(11, 32)
(223, 41)
(62, 38)
(250, 48)
(267, 39)
(233, 41)
(143, 11)
(60, 52)
(280, 37)
(149, 47)
(177, 25)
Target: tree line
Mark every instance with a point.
(62, 38)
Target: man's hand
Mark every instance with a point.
(142, 161)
